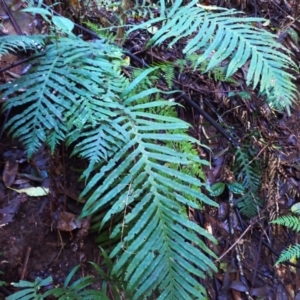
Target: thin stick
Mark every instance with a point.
(25, 263)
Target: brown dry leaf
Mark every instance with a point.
(238, 286)
(67, 222)
(8, 212)
(10, 171)
(261, 292)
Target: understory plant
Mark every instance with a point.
(249, 174)
(139, 173)
(291, 253)
(39, 289)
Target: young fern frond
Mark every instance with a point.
(103, 33)
(218, 35)
(169, 73)
(249, 174)
(290, 253)
(292, 222)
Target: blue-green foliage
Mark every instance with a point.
(30, 290)
(139, 157)
(218, 34)
(15, 43)
(78, 94)
(77, 290)
(63, 89)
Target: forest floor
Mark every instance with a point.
(40, 237)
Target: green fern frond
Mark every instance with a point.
(16, 43)
(289, 253)
(249, 204)
(141, 11)
(161, 245)
(292, 222)
(30, 290)
(249, 175)
(77, 290)
(66, 78)
(218, 34)
(168, 72)
(165, 69)
(217, 73)
(104, 33)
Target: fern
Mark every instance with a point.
(104, 33)
(141, 11)
(66, 78)
(74, 291)
(218, 34)
(129, 163)
(168, 73)
(15, 43)
(249, 175)
(137, 173)
(77, 290)
(292, 252)
(292, 222)
(143, 181)
(30, 290)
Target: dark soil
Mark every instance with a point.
(34, 240)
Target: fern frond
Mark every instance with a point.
(30, 290)
(141, 11)
(162, 249)
(15, 43)
(104, 33)
(292, 222)
(218, 34)
(66, 78)
(249, 175)
(168, 70)
(77, 290)
(289, 253)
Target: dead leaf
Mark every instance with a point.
(238, 286)
(33, 191)
(8, 212)
(67, 222)
(10, 171)
(261, 292)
